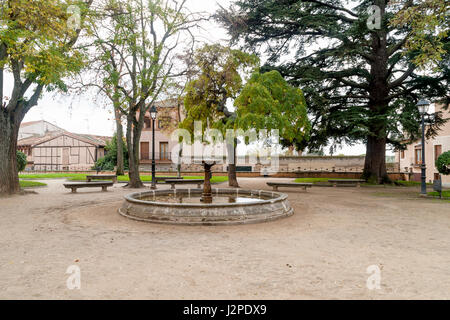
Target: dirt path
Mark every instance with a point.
(323, 251)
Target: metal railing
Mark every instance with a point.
(164, 156)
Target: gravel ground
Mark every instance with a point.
(322, 252)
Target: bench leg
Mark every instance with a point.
(275, 188)
(74, 190)
(199, 186)
(334, 185)
(173, 186)
(359, 185)
(104, 188)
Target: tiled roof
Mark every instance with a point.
(37, 140)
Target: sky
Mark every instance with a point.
(85, 113)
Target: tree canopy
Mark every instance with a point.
(137, 44)
(360, 80)
(37, 41)
(268, 102)
(218, 80)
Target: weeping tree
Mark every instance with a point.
(136, 44)
(268, 102)
(358, 64)
(218, 82)
(37, 51)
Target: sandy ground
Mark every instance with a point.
(322, 252)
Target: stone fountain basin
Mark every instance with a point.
(272, 206)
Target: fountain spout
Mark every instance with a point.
(207, 190)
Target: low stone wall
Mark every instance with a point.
(286, 164)
(294, 175)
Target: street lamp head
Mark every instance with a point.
(423, 106)
(153, 112)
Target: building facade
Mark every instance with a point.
(170, 114)
(59, 150)
(410, 160)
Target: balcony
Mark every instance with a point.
(165, 157)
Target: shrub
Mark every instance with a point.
(21, 161)
(108, 162)
(443, 163)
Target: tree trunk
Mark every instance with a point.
(9, 130)
(120, 161)
(133, 138)
(375, 164)
(180, 154)
(232, 175)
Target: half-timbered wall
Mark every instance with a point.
(64, 153)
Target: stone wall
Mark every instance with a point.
(287, 164)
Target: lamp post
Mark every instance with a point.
(153, 114)
(423, 106)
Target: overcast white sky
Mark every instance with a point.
(83, 114)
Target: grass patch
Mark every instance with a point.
(31, 184)
(445, 194)
(217, 179)
(410, 183)
(314, 180)
(147, 178)
(52, 176)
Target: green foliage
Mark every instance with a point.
(267, 101)
(38, 34)
(219, 79)
(443, 163)
(21, 161)
(356, 85)
(429, 21)
(108, 162)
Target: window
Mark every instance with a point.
(418, 156)
(147, 123)
(145, 150)
(402, 156)
(437, 151)
(164, 151)
(160, 124)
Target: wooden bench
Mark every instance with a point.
(347, 183)
(101, 177)
(164, 179)
(277, 185)
(174, 182)
(74, 186)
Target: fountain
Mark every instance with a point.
(206, 206)
(207, 190)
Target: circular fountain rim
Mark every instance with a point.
(277, 197)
